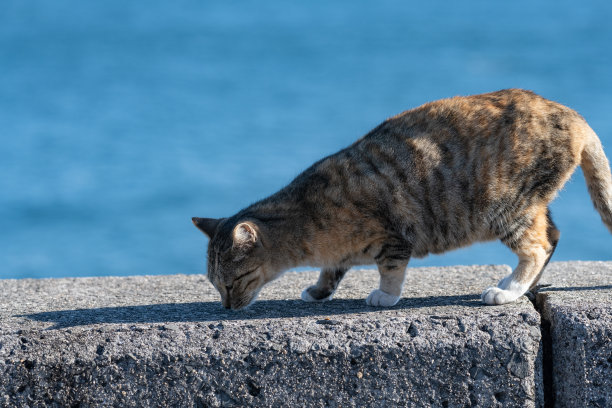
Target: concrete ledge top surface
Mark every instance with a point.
(68, 302)
(578, 285)
(80, 302)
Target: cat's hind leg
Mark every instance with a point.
(553, 237)
(534, 246)
(325, 286)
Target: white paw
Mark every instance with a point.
(380, 298)
(497, 296)
(307, 297)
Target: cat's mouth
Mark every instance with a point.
(242, 304)
(244, 301)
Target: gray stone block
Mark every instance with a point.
(578, 307)
(166, 340)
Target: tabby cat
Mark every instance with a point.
(437, 177)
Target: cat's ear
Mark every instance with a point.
(207, 225)
(245, 235)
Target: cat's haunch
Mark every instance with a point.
(434, 178)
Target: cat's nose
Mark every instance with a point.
(226, 302)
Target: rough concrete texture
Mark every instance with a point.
(578, 307)
(167, 341)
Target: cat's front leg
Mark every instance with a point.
(392, 263)
(326, 285)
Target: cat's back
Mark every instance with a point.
(511, 128)
(510, 114)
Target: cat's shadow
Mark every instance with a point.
(213, 311)
(261, 309)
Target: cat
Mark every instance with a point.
(431, 179)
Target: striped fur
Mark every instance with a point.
(437, 177)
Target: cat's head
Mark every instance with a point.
(237, 265)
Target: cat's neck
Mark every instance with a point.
(284, 232)
(290, 220)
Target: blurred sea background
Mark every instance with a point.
(120, 120)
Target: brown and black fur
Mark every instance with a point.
(437, 177)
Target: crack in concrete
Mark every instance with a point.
(547, 349)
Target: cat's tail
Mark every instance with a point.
(596, 171)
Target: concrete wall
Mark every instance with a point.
(166, 341)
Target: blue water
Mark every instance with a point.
(121, 120)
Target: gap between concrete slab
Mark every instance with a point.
(546, 350)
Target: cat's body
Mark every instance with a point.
(437, 177)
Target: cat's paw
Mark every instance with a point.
(380, 298)
(497, 296)
(307, 295)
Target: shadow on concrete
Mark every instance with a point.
(575, 288)
(213, 311)
(261, 309)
